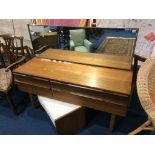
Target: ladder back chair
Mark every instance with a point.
(6, 79)
(14, 48)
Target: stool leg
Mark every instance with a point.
(32, 100)
(112, 122)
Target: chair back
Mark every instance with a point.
(14, 49)
(78, 36)
(146, 87)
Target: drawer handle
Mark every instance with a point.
(87, 96)
(76, 86)
(29, 77)
(79, 94)
(32, 84)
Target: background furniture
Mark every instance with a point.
(146, 93)
(6, 79)
(14, 49)
(137, 59)
(78, 41)
(67, 118)
(49, 39)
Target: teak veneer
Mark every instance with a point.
(93, 59)
(100, 88)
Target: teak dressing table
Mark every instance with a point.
(104, 85)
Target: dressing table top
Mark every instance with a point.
(106, 79)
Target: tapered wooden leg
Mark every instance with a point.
(32, 100)
(112, 122)
(9, 99)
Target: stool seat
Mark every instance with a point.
(56, 109)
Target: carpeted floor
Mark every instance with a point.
(36, 121)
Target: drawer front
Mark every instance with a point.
(90, 93)
(74, 88)
(34, 81)
(94, 103)
(35, 90)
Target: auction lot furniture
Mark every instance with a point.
(97, 87)
(13, 49)
(67, 118)
(49, 39)
(6, 79)
(78, 41)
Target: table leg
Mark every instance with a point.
(32, 100)
(112, 122)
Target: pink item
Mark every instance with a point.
(66, 22)
(150, 36)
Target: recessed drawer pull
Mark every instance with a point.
(71, 85)
(32, 84)
(20, 76)
(87, 96)
(79, 94)
(57, 84)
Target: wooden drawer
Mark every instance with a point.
(94, 103)
(90, 93)
(34, 81)
(35, 89)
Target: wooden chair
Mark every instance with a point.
(6, 79)
(14, 48)
(137, 58)
(146, 93)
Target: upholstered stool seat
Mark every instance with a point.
(66, 117)
(5, 79)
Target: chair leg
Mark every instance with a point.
(142, 127)
(32, 100)
(9, 99)
(112, 122)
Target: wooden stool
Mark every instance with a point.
(67, 118)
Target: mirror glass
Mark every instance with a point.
(118, 42)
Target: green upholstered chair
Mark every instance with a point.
(78, 41)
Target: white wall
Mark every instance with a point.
(16, 27)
